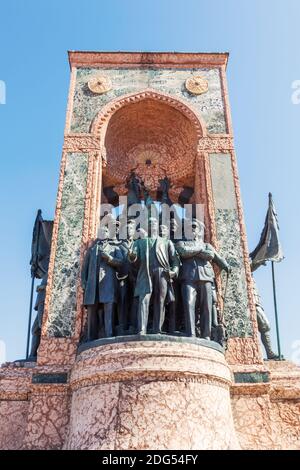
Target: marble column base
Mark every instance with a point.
(151, 395)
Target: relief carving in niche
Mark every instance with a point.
(150, 163)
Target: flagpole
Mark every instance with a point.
(276, 312)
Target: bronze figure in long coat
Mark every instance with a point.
(99, 282)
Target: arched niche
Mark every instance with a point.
(154, 135)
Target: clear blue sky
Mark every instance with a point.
(263, 38)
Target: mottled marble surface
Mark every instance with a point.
(13, 421)
(236, 308)
(209, 105)
(151, 415)
(66, 268)
(48, 418)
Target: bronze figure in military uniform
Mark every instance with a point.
(37, 324)
(263, 324)
(197, 278)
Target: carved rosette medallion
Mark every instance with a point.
(99, 84)
(149, 161)
(196, 85)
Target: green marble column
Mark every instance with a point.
(236, 308)
(62, 309)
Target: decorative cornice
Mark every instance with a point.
(87, 142)
(40, 390)
(148, 376)
(8, 395)
(147, 59)
(253, 389)
(285, 392)
(275, 392)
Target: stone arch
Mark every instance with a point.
(155, 134)
(99, 124)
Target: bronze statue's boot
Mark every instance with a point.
(266, 341)
(35, 342)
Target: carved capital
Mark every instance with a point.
(215, 144)
(80, 143)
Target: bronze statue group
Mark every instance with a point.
(135, 283)
(151, 284)
(150, 278)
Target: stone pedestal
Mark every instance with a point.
(151, 395)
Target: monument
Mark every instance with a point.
(149, 335)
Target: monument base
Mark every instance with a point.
(151, 395)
